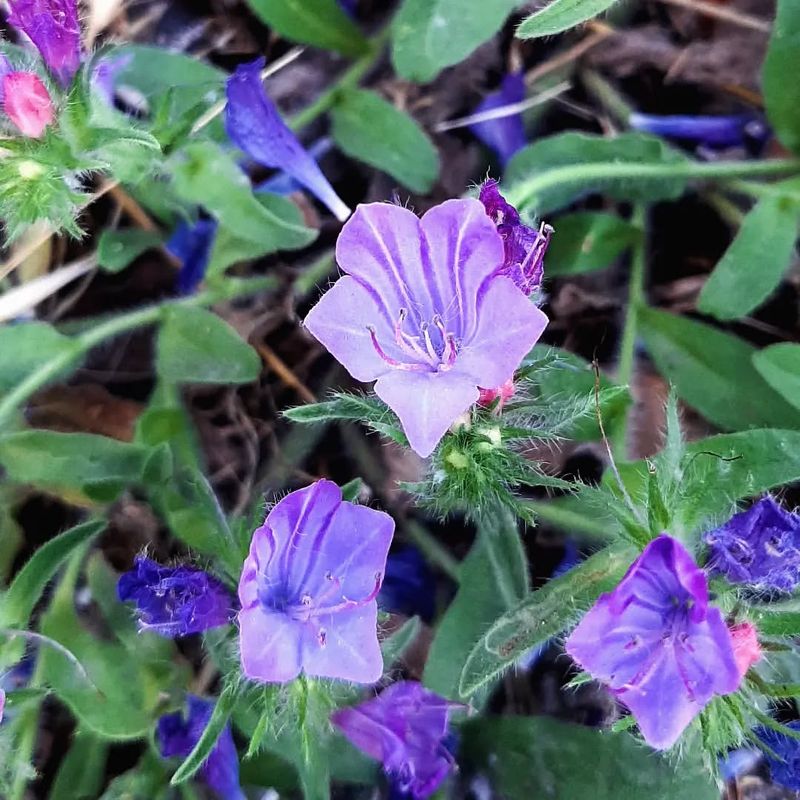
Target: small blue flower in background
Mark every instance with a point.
(409, 586)
(759, 547)
(504, 135)
(178, 734)
(716, 132)
(784, 770)
(349, 6)
(175, 601)
(105, 74)
(738, 762)
(191, 244)
(254, 125)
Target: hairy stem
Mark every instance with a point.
(523, 192)
(636, 299)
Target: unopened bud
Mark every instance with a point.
(504, 392)
(27, 103)
(30, 170)
(746, 649)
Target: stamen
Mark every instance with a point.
(450, 352)
(392, 361)
(428, 343)
(347, 603)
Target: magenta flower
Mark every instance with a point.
(256, 128)
(404, 727)
(759, 547)
(175, 601)
(2, 704)
(423, 311)
(662, 650)
(524, 246)
(177, 735)
(504, 135)
(52, 25)
(309, 587)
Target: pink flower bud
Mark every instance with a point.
(27, 103)
(504, 392)
(746, 650)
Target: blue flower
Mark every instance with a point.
(504, 135)
(175, 601)
(257, 129)
(786, 768)
(759, 547)
(191, 244)
(177, 735)
(735, 130)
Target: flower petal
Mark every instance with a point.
(508, 325)
(660, 704)
(504, 135)
(427, 403)
(270, 645)
(382, 246)
(300, 523)
(465, 249)
(340, 320)
(254, 125)
(354, 550)
(350, 651)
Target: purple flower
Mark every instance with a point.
(177, 735)
(2, 704)
(191, 244)
(759, 547)
(52, 25)
(256, 128)
(423, 311)
(404, 727)
(785, 769)
(662, 650)
(175, 601)
(308, 589)
(524, 246)
(504, 135)
(713, 131)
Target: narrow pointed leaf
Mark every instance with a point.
(561, 15)
(779, 366)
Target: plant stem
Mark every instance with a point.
(97, 334)
(526, 192)
(432, 549)
(636, 299)
(349, 78)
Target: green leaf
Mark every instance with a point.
(554, 171)
(33, 344)
(563, 386)
(372, 130)
(157, 72)
(779, 366)
(777, 619)
(82, 770)
(230, 248)
(75, 460)
(322, 23)
(196, 346)
(356, 408)
(543, 614)
(752, 267)
(39, 570)
(720, 470)
(118, 249)
(712, 371)
(588, 241)
(492, 579)
(781, 91)
(539, 757)
(561, 15)
(118, 701)
(201, 751)
(429, 35)
(205, 173)
(393, 647)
